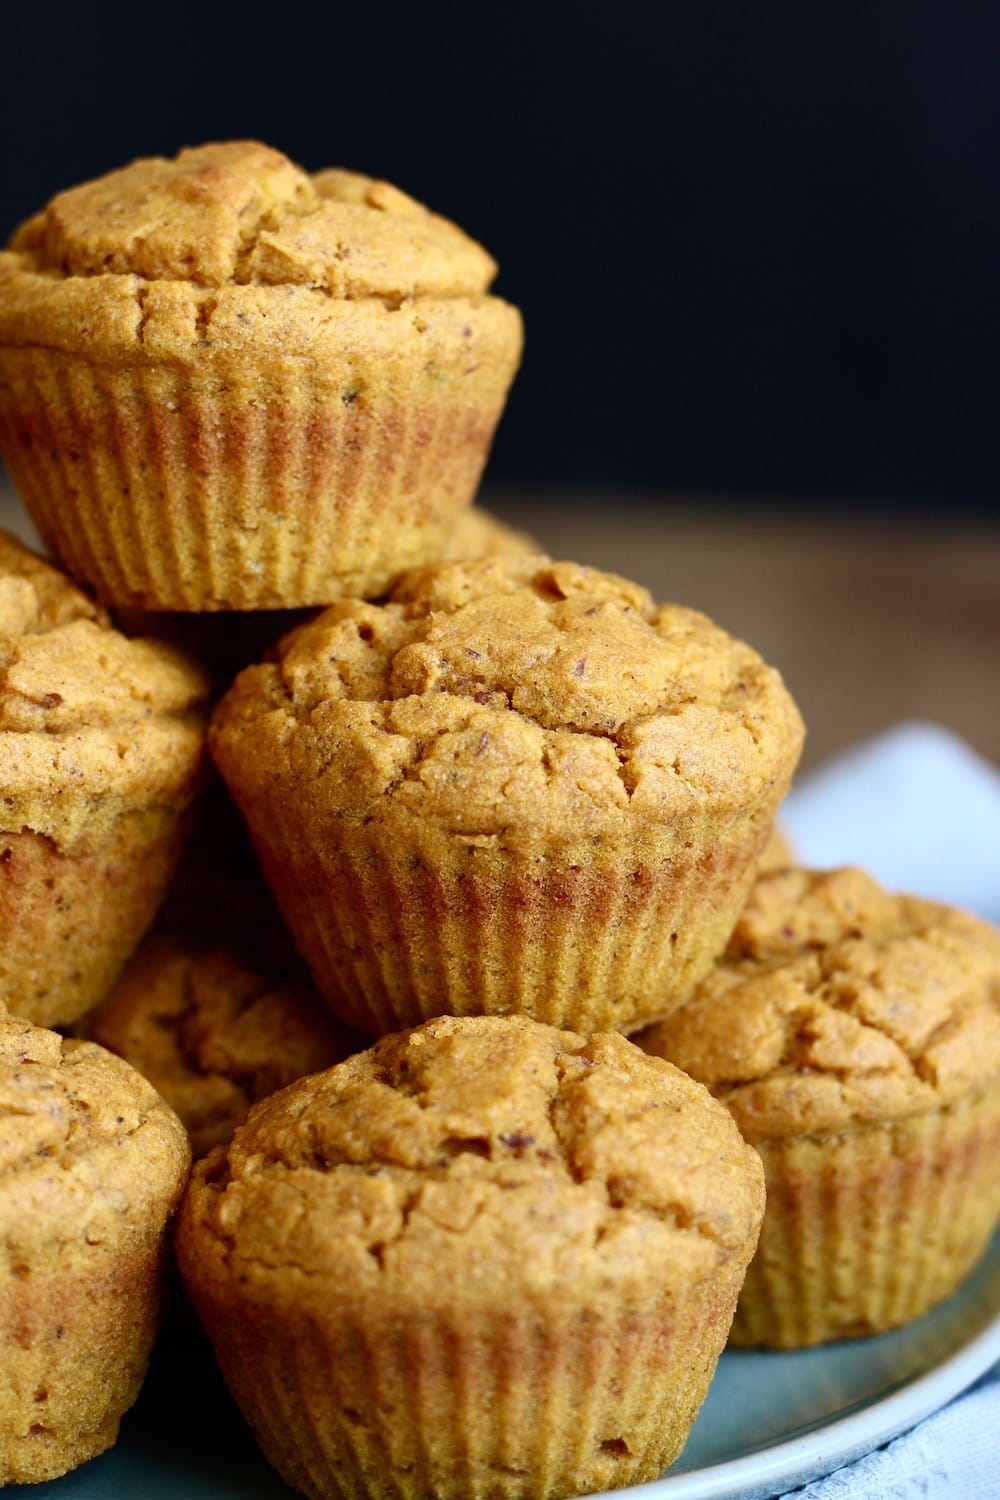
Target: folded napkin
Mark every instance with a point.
(920, 811)
(916, 808)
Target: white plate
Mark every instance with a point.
(771, 1421)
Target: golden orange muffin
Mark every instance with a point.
(518, 786)
(855, 1037)
(213, 1034)
(227, 384)
(483, 1258)
(101, 753)
(92, 1165)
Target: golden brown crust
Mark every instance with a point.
(227, 244)
(240, 212)
(492, 1146)
(213, 1034)
(92, 1164)
(512, 699)
(87, 716)
(76, 1118)
(838, 1004)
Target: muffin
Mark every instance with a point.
(855, 1037)
(518, 786)
(484, 1257)
(101, 754)
(213, 1034)
(227, 384)
(92, 1165)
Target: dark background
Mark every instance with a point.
(757, 246)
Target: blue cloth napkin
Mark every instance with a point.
(921, 811)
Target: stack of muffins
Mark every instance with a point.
(450, 1231)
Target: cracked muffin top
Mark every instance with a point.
(88, 1149)
(211, 246)
(84, 709)
(511, 695)
(213, 1034)
(838, 1004)
(479, 1158)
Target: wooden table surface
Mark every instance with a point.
(871, 621)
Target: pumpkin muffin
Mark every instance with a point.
(213, 1034)
(228, 384)
(517, 787)
(101, 753)
(855, 1037)
(92, 1165)
(483, 1258)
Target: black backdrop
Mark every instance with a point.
(757, 245)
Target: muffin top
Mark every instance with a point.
(199, 249)
(838, 1004)
(89, 1152)
(511, 696)
(83, 709)
(213, 1034)
(480, 1159)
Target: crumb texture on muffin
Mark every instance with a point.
(838, 1004)
(85, 713)
(213, 1033)
(92, 1164)
(241, 212)
(501, 1145)
(516, 695)
(168, 256)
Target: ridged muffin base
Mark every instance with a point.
(870, 1228)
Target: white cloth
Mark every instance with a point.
(916, 808)
(953, 1455)
(920, 811)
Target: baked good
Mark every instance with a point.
(213, 1034)
(517, 786)
(855, 1036)
(92, 1165)
(482, 1258)
(227, 384)
(101, 755)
